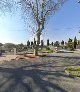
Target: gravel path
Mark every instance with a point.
(7, 57)
(44, 74)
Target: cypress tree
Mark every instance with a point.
(31, 43)
(42, 43)
(48, 42)
(52, 43)
(62, 43)
(28, 43)
(75, 42)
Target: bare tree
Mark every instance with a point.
(5, 5)
(40, 11)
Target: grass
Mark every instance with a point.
(75, 71)
(45, 50)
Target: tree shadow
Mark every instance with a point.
(70, 57)
(20, 82)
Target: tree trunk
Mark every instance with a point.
(36, 51)
(36, 48)
(38, 40)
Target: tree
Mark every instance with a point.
(20, 47)
(28, 43)
(75, 42)
(47, 42)
(57, 44)
(78, 42)
(6, 5)
(1, 44)
(62, 43)
(42, 43)
(31, 43)
(40, 10)
(70, 44)
(9, 46)
(34, 42)
(52, 43)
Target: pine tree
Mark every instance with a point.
(70, 44)
(57, 44)
(42, 43)
(34, 41)
(62, 43)
(48, 42)
(28, 43)
(75, 42)
(52, 43)
(31, 43)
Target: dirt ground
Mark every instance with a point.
(7, 57)
(43, 74)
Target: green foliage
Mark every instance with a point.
(28, 43)
(52, 43)
(57, 44)
(39, 11)
(65, 47)
(1, 44)
(78, 42)
(75, 71)
(42, 43)
(46, 49)
(62, 43)
(47, 42)
(31, 43)
(20, 47)
(9, 46)
(70, 44)
(75, 42)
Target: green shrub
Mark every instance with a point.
(46, 49)
(66, 47)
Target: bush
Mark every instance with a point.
(47, 48)
(66, 47)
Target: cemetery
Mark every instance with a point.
(39, 46)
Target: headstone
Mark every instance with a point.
(14, 51)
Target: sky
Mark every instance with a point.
(62, 25)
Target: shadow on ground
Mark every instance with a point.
(68, 57)
(29, 78)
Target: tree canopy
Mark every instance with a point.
(40, 11)
(6, 5)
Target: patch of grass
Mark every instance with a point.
(75, 71)
(46, 50)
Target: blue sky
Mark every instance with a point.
(61, 26)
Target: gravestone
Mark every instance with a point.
(14, 51)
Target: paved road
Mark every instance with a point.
(39, 75)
